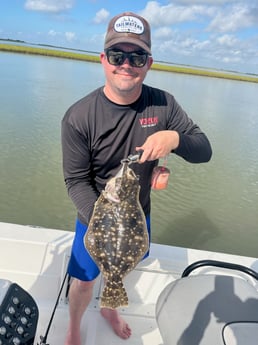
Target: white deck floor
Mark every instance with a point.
(36, 259)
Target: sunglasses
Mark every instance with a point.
(117, 57)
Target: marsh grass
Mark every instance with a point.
(95, 58)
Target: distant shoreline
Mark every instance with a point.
(95, 58)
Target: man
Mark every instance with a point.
(114, 121)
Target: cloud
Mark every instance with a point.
(52, 6)
(170, 14)
(163, 33)
(53, 33)
(205, 32)
(70, 36)
(62, 38)
(233, 18)
(227, 40)
(224, 50)
(101, 16)
(205, 2)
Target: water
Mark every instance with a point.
(209, 206)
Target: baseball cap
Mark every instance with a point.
(128, 27)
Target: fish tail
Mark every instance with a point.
(114, 295)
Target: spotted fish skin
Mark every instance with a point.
(117, 236)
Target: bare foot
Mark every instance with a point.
(120, 327)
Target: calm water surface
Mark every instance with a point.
(209, 206)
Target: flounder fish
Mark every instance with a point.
(117, 236)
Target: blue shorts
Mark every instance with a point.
(81, 265)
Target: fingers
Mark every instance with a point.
(158, 145)
(152, 152)
(147, 154)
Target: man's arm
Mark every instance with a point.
(194, 148)
(77, 173)
(182, 137)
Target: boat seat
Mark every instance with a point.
(207, 309)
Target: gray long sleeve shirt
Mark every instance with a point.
(97, 134)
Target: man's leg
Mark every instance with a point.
(84, 272)
(120, 327)
(80, 295)
(81, 291)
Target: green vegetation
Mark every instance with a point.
(155, 66)
(48, 52)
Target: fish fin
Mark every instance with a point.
(114, 295)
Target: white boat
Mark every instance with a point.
(163, 307)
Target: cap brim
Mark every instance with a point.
(128, 39)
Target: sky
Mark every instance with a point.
(220, 34)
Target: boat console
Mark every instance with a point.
(18, 315)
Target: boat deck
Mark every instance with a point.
(143, 286)
(36, 259)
